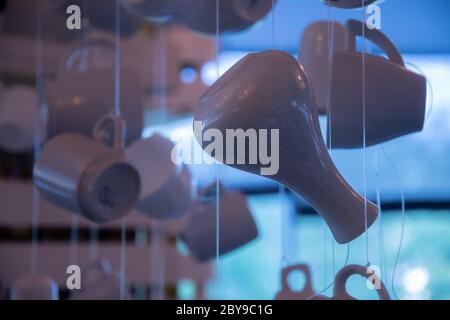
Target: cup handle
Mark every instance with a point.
(111, 130)
(69, 61)
(355, 29)
(340, 291)
(298, 267)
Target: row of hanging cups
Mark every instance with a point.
(394, 97)
(200, 15)
(339, 290)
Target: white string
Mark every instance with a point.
(41, 124)
(380, 220)
(93, 249)
(117, 113)
(402, 230)
(364, 131)
(217, 165)
(74, 239)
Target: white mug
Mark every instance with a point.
(340, 291)
(77, 99)
(165, 192)
(86, 176)
(99, 283)
(18, 118)
(34, 287)
(236, 226)
(395, 97)
(270, 91)
(200, 15)
(315, 56)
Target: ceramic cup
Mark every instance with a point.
(77, 99)
(347, 4)
(395, 97)
(234, 15)
(18, 116)
(340, 291)
(270, 90)
(236, 226)
(307, 293)
(317, 41)
(165, 192)
(34, 287)
(78, 173)
(99, 283)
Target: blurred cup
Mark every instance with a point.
(165, 192)
(78, 173)
(34, 287)
(18, 117)
(236, 226)
(79, 97)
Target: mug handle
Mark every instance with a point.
(111, 130)
(355, 29)
(298, 267)
(340, 291)
(69, 61)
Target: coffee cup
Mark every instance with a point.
(236, 226)
(165, 192)
(340, 291)
(34, 287)
(78, 98)
(394, 98)
(84, 175)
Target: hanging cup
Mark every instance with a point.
(77, 99)
(395, 97)
(87, 176)
(347, 4)
(165, 192)
(34, 287)
(236, 226)
(340, 291)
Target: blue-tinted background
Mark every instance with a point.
(416, 166)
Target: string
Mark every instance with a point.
(364, 130)
(217, 168)
(117, 113)
(93, 249)
(74, 239)
(273, 25)
(330, 39)
(41, 124)
(331, 284)
(380, 220)
(157, 260)
(402, 230)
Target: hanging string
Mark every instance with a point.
(74, 239)
(41, 124)
(403, 218)
(217, 165)
(380, 219)
(93, 246)
(273, 24)
(331, 284)
(117, 113)
(364, 129)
